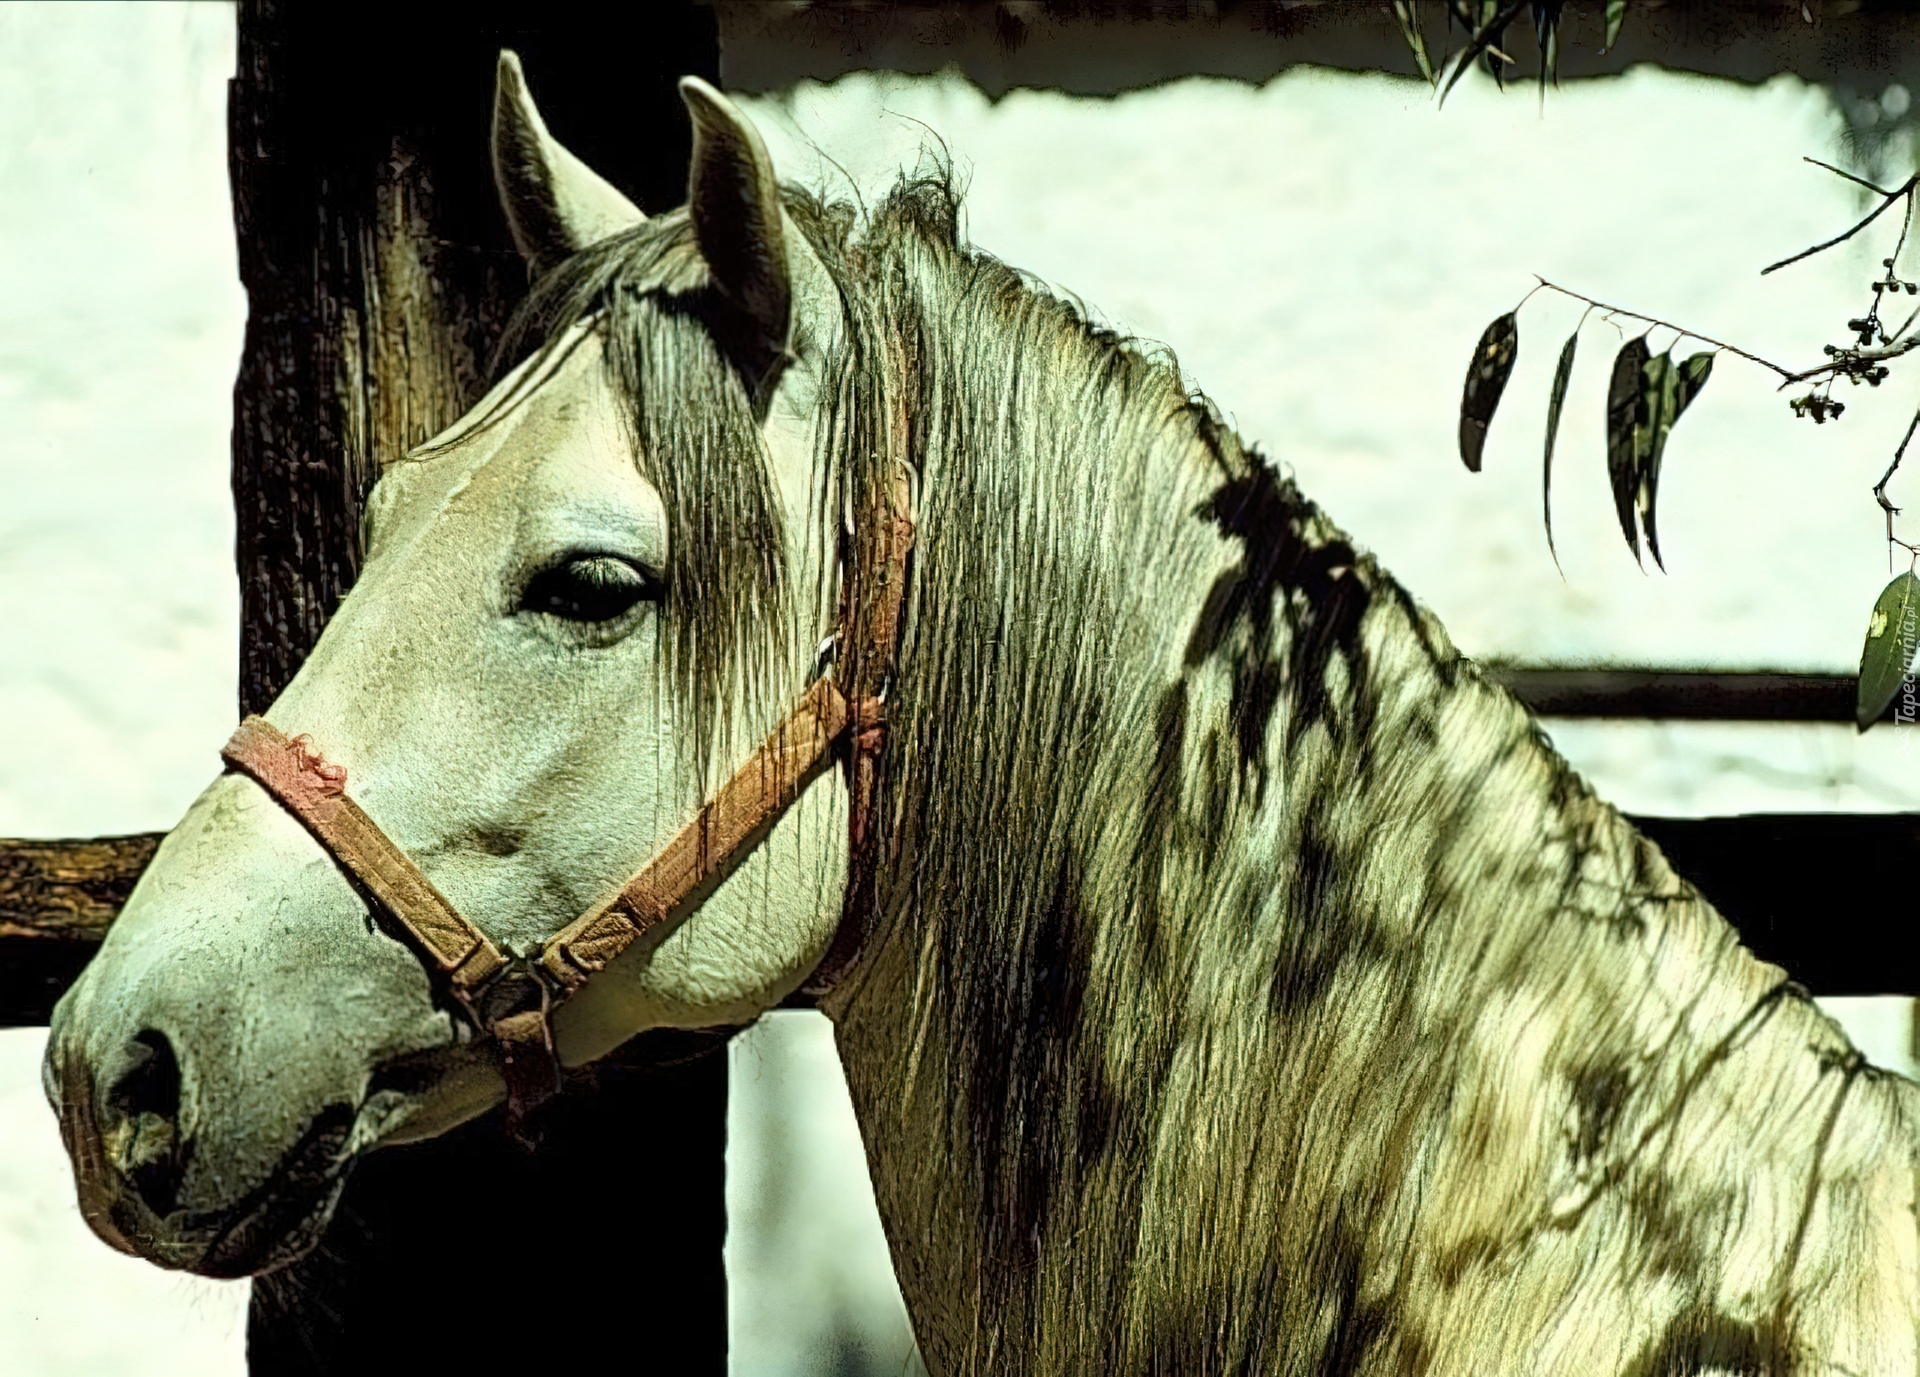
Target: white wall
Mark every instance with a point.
(810, 1287)
(1322, 253)
(120, 321)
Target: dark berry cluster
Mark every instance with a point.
(1818, 406)
(1890, 283)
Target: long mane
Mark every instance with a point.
(1253, 988)
(1066, 481)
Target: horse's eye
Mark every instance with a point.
(588, 588)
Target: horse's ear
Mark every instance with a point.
(737, 219)
(555, 204)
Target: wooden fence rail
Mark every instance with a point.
(56, 900)
(1808, 891)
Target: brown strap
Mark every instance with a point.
(315, 791)
(707, 849)
(874, 602)
(527, 1062)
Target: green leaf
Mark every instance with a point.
(1677, 386)
(1486, 379)
(1410, 30)
(1650, 440)
(1489, 16)
(1546, 35)
(1888, 653)
(1693, 376)
(1486, 31)
(1625, 393)
(1562, 374)
(1616, 12)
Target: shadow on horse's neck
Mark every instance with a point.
(1246, 953)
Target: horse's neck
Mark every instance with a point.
(1421, 1014)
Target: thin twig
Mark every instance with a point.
(1891, 196)
(1855, 364)
(1871, 321)
(1842, 172)
(1903, 327)
(1684, 333)
(1787, 375)
(1880, 488)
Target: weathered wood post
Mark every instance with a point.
(379, 275)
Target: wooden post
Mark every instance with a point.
(379, 275)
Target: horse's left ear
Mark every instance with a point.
(737, 220)
(555, 204)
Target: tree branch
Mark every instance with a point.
(1788, 374)
(1903, 189)
(1851, 358)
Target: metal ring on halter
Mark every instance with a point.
(522, 984)
(515, 1008)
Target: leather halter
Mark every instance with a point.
(510, 998)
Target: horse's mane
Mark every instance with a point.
(1223, 888)
(1028, 749)
(1068, 484)
(1058, 463)
(996, 360)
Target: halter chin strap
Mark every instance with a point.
(510, 999)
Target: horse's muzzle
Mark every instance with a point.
(121, 1126)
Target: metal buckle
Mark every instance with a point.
(522, 986)
(514, 1010)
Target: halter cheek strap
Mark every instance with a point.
(509, 999)
(314, 790)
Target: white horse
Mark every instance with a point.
(1238, 982)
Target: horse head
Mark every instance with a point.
(575, 606)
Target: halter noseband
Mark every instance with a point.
(509, 999)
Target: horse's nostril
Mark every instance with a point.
(141, 1123)
(147, 1081)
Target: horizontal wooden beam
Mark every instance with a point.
(1827, 896)
(1116, 46)
(1808, 891)
(57, 899)
(1697, 695)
